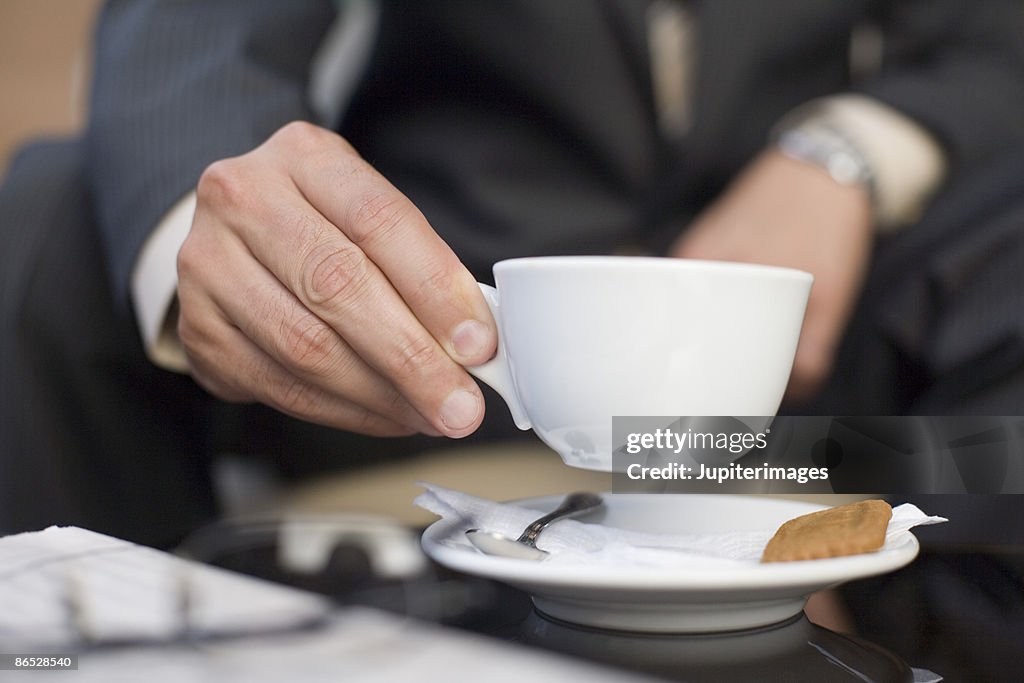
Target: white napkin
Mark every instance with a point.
(571, 541)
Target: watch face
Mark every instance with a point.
(822, 145)
(845, 169)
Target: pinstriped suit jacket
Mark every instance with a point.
(524, 126)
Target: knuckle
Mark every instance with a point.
(310, 344)
(199, 250)
(295, 397)
(309, 228)
(366, 422)
(187, 333)
(376, 214)
(300, 135)
(222, 184)
(397, 405)
(192, 334)
(186, 260)
(441, 279)
(334, 273)
(413, 358)
(200, 259)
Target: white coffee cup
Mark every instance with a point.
(586, 338)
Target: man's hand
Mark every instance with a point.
(789, 213)
(309, 283)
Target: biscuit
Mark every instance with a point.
(844, 530)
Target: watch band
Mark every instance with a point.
(817, 142)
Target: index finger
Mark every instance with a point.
(395, 235)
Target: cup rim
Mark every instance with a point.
(661, 262)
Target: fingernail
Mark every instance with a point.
(460, 409)
(471, 340)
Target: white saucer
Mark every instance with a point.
(660, 600)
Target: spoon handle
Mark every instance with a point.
(573, 504)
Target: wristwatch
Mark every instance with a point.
(818, 142)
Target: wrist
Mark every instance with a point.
(865, 141)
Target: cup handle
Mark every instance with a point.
(496, 372)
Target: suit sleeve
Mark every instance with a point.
(179, 84)
(956, 67)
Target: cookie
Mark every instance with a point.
(844, 530)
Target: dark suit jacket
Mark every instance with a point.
(525, 126)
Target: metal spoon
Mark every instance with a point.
(525, 547)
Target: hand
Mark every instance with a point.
(309, 283)
(784, 212)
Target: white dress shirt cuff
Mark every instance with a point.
(907, 163)
(154, 286)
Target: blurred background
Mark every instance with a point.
(44, 69)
